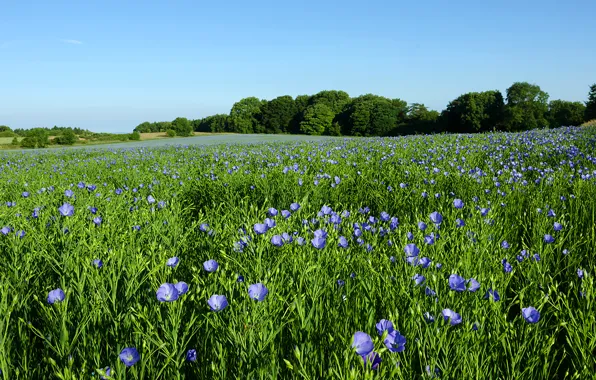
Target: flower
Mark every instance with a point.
(129, 356)
(373, 358)
(172, 262)
(384, 325)
(210, 266)
(418, 279)
(217, 302)
(492, 294)
(286, 214)
(318, 242)
(98, 263)
(56, 295)
(150, 199)
(451, 316)
(277, 241)
(257, 292)
(457, 283)
(181, 287)
(411, 250)
(362, 343)
(473, 285)
(260, 228)
(294, 207)
(343, 242)
(191, 355)
(436, 218)
(271, 212)
(66, 209)
(458, 203)
(395, 342)
(167, 293)
(548, 239)
(530, 314)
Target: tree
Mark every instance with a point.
(171, 133)
(318, 118)
(526, 107)
(144, 127)
(36, 137)
(590, 112)
(5, 128)
(68, 137)
(420, 120)
(562, 113)
(474, 112)
(245, 115)
(135, 136)
(277, 114)
(302, 102)
(335, 100)
(182, 127)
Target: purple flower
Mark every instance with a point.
(424, 262)
(150, 199)
(473, 285)
(504, 244)
(343, 242)
(436, 218)
(181, 287)
(98, 263)
(395, 342)
(217, 302)
(507, 268)
(172, 262)
(530, 314)
(210, 266)
(66, 209)
(418, 279)
(384, 325)
(260, 228)
(271, 212)
(285, 213)
(69, 193)
(191, 355)
(548, 239)
(129, 356)
(294, 207)
(97, 220)
(411, 250)
(374, 359)
(422, 226)
(458, 203)
(56, 295)
(459, 223)
(558, 226)
(167, 293)
(410, 235)
(277, 241)
(457, 283)
(5, 231)
(492, 294)
(362, 343)
(580, 273)
(257, 292)
(318, 242)
(451, 316)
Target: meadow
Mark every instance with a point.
(446, 256)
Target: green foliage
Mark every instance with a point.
(7, 134)
(67, 137)
(15, 141)
(245, 116)
(563, 113)
(317, 119)
(171, 133)
(36, 138)
(158, 126)
(182, 126)
(215, 124)
(474, 112)
(277, 114)
(5, 128)
(526, 108)
(590, 112)
(135, 136)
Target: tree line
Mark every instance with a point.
(331, 112)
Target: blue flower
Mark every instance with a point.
(257, 292)
(172, 262)
(210, 265)
(217, 302)
(129, 356)
(56, 295)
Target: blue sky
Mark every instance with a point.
(110, 65)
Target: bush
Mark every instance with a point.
(15, 141)
(28, 142)
(7, 134)
(67, 138)
(136, 136)
(171, 133)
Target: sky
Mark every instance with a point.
(108, 66)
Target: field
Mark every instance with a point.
(452, 256)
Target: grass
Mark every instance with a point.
(199, 202)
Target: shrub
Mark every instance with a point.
(136, 136)
(171, 133)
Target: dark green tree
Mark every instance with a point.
(474, 112)
(245, 115)
(562, 113)
(182, 127)
(277, 114)
(301, 102)
(68, 137)
(526, 107)
(318, 118)
(590, 112)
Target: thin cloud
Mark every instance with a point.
(73, 42)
